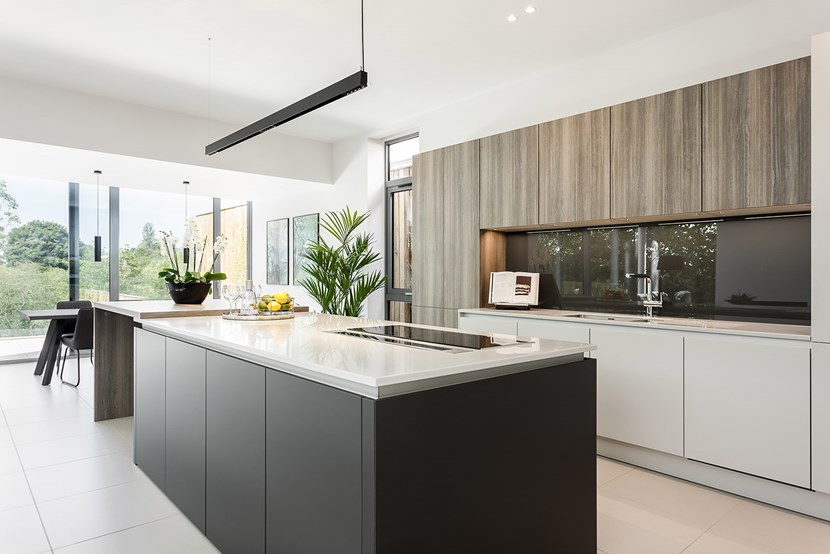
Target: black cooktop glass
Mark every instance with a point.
(434, 336)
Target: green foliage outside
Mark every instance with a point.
(337, 275)
(38, 242)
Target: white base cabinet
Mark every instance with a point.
(748, 406)
(555, 330)
(821, 416)
(487, 324)
(640, 387)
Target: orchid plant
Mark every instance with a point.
(187, 261)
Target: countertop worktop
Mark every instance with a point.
(744, 328)
(302, 347)
(147, 309)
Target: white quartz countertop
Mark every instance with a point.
(743, 328)
(163, 308)
(303, 346)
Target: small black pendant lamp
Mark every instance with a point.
(97, 215)
(185, 248)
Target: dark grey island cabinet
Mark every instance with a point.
(283, 464)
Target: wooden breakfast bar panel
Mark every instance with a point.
(114, 351)
(113, 365)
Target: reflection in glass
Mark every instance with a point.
(748, 270)
(402, 240)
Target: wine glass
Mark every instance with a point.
(229, 293)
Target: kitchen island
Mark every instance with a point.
(288, 436)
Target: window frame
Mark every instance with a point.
(392, 187)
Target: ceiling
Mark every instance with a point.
(266, 54)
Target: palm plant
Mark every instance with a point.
(338, 276)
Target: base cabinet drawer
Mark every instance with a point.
(748, 406)
(554, 330)
(487, 324)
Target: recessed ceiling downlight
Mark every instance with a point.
(530, 9)
(511, 18)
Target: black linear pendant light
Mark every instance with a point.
(322, 97)
(97, 215)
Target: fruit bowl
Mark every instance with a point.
(279, 304)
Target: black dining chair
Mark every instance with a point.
(69, 325)
(80, 339)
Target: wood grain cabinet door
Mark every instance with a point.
(428, 229)
(461, 225)
(510, 178)
(574, 171)
(655, 155)
(756, 138)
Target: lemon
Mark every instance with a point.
(274, 306)
(282, 297)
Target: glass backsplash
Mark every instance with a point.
(754, 269)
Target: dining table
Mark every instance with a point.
(59, 318)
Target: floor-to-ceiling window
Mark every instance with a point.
(399, 155)
(47, 233)
(142, 215)
(34, 251)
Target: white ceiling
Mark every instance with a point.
(266, 54)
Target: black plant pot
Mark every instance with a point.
(188, 293)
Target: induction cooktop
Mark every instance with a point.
(431, 336)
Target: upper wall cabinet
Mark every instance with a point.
(574, 172)
(428, 229)
(510, 178)
(461, 226)
(445, 193)
(655, 155)
(756, 129)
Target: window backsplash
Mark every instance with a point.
(743, 269)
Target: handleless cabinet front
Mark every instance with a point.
(185, 429)
(748, 406)
(235, 454)
(314, 475)
(149, 405)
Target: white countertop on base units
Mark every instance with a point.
(304, 346)
(742, 328)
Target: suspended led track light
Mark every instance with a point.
(338, 90)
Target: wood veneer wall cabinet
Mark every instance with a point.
(461, 225)
(445, 233)
(510, 178)
(655, 155)
(574, 168)
(428, 229)
(756, 132)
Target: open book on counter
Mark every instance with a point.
(514, 288)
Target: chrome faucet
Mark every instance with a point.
(648, 302)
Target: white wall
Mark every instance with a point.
(752, 36)
(820, 191)
(45, 115)
(358, 183)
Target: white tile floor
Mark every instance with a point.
(68, 485)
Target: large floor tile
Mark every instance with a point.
(9, 462)
(70, 478)
(21, 532)
(93, 514)
(676, 500)
(173, 535)
(5, 438)
(14, 492)
(46, 453)
(754, 528)
(608, 470)
(124, 427)
(20, 416)
(625, 529)
(39, 431)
